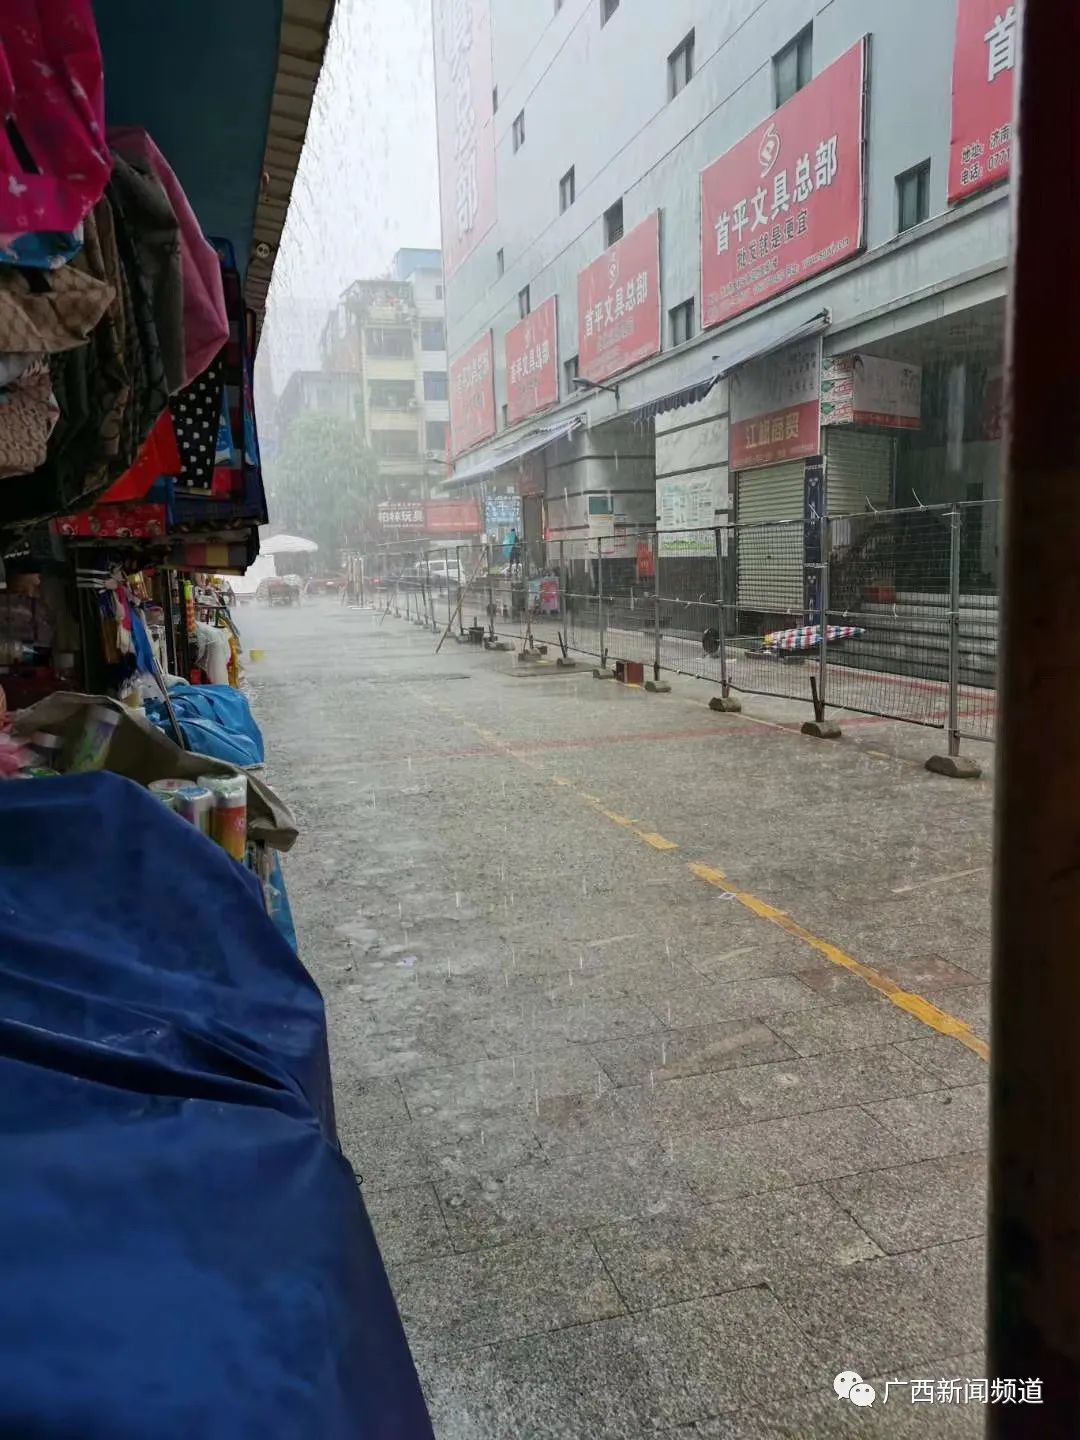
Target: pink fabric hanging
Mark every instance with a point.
(206, 324)
(52, 115)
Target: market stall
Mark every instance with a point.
(162, 1050)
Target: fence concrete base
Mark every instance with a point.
(497, 645)
(657, 687)
(956, 767)
(599, 674)
(822, 729)
(564, 664)
(726, 704)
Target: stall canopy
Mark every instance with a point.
(226, 91)
(712, 372)
(508, 454)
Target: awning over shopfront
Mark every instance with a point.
(509, 453)
(710, 374)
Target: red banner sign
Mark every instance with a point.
(532, 363)
(466, 125)
(776, 408)
(984, 63)
(787, 202)
(452, 517)
(619, 305)
(472, 396)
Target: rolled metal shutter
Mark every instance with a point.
(859, 467)
(770, 540)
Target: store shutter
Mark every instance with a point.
(771, 553)
(859, 467)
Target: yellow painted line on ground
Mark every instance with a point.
(906, 1000)
(915, 1005)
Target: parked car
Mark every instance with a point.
(440, 573)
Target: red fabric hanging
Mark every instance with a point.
(158, 456)
(52, 96)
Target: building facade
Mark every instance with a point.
(389, 334)
(326, 392)
(694, 249)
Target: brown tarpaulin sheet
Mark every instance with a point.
(143, 753)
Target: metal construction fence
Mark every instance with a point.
(888, 613)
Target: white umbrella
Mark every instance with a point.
(288, 545)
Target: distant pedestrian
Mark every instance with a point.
(512, 547)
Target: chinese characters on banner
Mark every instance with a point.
(466, 125)
(431, 517)
(776, 408)
(867, 390)
(619, 304)
(532, 363)
(984, 63)
(472, 395)
(402, 514)
(786, 203)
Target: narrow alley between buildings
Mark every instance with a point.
(658, 1035)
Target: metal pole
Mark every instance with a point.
(721, 627)
(491, 589)
(600, 600)
(654, 543)
(1034, 1272)
(360, 578)
(954, 631)
(823, 608)
(562, 583)
(457, 582)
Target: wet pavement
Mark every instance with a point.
(657, 1036)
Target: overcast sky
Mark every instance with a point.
(367, 183)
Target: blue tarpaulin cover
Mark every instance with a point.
(216, 720)
(184, 1252)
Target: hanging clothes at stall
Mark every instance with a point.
(206, 324)
(52, 147)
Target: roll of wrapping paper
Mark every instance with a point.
(228, 824)
(193, 803)
(165, 791)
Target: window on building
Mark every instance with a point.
(793, 66)
(613, 224)
(435, 385)
(518, 132)
(681, 320)
(438, 292)
(567, 191)
(395, 444)
(435, 436)
(392, 394)
(389, 343)
(680, 66)
(607, 10)
(500, 264)
(506, 417)
(524, 302)
(495, 100)
(570, 370)
(912, 197)
(432, 335)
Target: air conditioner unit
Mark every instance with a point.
(411, 403)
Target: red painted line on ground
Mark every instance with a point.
(588, 742)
